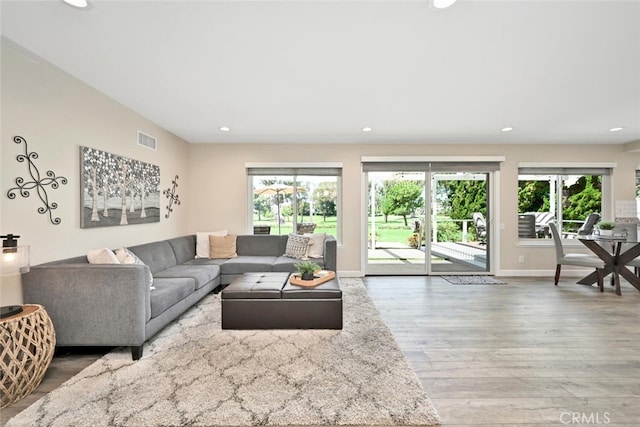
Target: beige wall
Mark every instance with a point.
(216, 206)
(56, 114)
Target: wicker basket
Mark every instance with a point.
(27, 343)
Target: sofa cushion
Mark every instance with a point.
(261, 245)
(157, 255)
(202, 274)
(205, 261)
(184, 248)
(284, 263)
(169, 292)
(246, 264)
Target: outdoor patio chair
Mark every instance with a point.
(542, 223)
(527, 226)
(481, 227)
(261, 229)
(577, 259)
(305, 227)
(587, 227)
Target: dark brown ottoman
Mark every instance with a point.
(268, 301)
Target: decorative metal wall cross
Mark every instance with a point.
(172, 196)
(37, 182)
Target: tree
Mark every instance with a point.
(324, 199)
(261, 205)
(582, 198)
(533, 196)
(464, 197)
(94, 167)
(402, 198)
(125, 179)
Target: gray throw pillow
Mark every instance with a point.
(297, 246)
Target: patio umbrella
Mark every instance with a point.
(277, 189)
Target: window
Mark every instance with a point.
(564, 195)
(295, 199)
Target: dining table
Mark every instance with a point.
(610, 250)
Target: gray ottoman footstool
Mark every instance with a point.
(269, 301)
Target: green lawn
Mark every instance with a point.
(393, 230)
(322, 226)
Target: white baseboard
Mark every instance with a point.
(350, 274)
(543, 273)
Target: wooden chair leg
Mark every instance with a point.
(558, 268)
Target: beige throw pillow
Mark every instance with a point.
(222, 246)
(202, 242)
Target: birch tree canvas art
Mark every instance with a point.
(117, 190)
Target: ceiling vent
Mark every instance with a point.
(147, 140)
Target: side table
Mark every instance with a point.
(27, 343)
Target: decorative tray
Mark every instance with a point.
(319, 277)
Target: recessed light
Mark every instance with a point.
(82, 4)
(224, 129)
(507, 129)
(616, 129)
(367, 129)
(442, 4)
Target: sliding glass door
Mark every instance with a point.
(430, 221)
(395, 222)
(459, 217)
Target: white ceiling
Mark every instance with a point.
(320, 71)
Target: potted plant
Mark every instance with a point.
(413, 240)
(306, 269)
(606, 228)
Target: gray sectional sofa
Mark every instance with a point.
(113, 305)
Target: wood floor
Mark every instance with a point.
(526, 353)
(523, 354)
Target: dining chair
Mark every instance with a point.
(577, 259)
(630, 231)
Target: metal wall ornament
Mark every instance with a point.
(117, 190)
(170, 193)
(38, 183)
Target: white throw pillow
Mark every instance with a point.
(316, 245)
(202, 242)
(297, 246)
(102, 256)
(125, 256)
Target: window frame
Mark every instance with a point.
(605, 169)
(294, 170)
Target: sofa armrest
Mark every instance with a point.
(92, 304)
(330, 253)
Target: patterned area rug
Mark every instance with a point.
(473, 280)
(194, 373)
